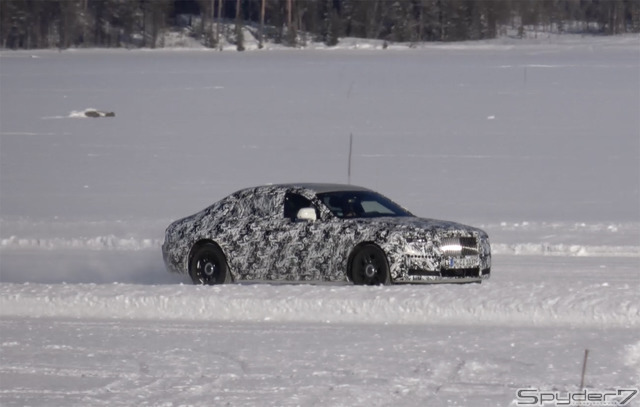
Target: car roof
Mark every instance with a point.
(320, 188)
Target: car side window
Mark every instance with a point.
(293, 203)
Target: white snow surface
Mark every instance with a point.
(537, 142)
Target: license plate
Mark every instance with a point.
(463, 262)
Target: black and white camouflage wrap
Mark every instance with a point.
(261, 244)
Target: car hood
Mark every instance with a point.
(412, 224)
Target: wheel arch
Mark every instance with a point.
(203, 242)
(355, 250)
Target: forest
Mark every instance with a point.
(28, 24)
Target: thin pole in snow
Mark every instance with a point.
(350, 150)
(584, 368)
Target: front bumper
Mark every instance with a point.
(452, 260)
(465, 275)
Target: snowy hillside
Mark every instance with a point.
(537, 143)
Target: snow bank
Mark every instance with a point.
(513, 239)
(112, 242)
(545, 249)
(108, 242)
(585, 305)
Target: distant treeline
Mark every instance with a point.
(26, 24)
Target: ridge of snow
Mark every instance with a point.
(107, 242)
(518, 304)
(546, 249)
(113, 242)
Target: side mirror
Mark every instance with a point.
(308, 214)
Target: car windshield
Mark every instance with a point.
(360, 204)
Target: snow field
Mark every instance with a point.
(172, 363)
(537, 143)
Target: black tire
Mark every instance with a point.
(369, 266)
(208, 266)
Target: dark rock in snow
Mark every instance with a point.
(97, 113)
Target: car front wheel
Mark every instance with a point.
(208, 266)
(370, 267)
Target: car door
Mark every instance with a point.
(256, 250)
(293, 240)
(306, 248)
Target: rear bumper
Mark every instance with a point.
(170, 265)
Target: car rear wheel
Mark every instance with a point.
(208, 266)
(370, 267)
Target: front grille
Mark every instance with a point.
(418, 256)
(424, 273)
(459, 246)
(452, 273)
(469, 246)
(472, 272)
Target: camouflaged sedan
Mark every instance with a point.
(322, 232)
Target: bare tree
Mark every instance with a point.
(113, 23)
(239, 29)
(263, 4)
(219, 24)
(292, 32)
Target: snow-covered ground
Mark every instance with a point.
(537, 142)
